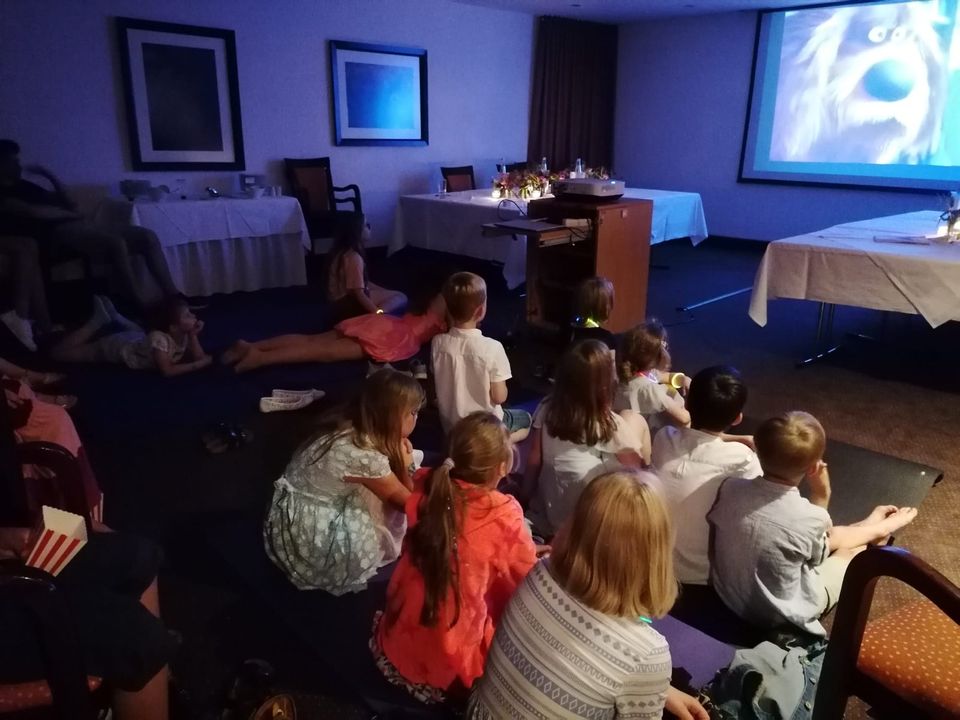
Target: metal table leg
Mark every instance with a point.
(824, 336)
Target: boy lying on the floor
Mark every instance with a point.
(173, 339)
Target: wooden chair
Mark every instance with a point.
(459, 178)
(312, 184)
(907, 663)
(514, 167)
(66, 693)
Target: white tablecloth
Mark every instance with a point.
(846, 265)
(452, 223)
(222, 245)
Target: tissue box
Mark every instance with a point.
(61, 537)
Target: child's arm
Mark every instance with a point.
(498, 392)
(884, 520)
(193, 346)
(388, 488)
(676, 411)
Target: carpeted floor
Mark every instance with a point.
(897, 396)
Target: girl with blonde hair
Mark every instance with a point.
(337, 512)
(466, 550)
(646, 384)
(577, 435)
(581, 620)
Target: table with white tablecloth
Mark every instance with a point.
(222, 245)
(452, 222)
(886, 263)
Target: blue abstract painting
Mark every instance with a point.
(381, 96)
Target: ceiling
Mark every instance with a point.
(623, 11)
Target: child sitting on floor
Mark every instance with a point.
(172, 346)
(471, 370)
(592, 308)
(337, 512)
(577, 436)
(776, 557)
(692, 462)
(580, 622)
(643, 364)
(379, 337)
(466, 550)
(348, 288)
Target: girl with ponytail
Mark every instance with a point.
(467, 548)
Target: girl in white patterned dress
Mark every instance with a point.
(337, 512)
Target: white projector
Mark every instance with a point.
(588, 189)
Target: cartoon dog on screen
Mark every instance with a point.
(864, 84)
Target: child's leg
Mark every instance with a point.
(83, 334)
(240, 348)
(831, 573)
(390, 301)
(316, 348)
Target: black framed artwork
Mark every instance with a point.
(379, 94)
(182, 96)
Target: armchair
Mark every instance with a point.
(312, 184)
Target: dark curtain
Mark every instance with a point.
(574, 89)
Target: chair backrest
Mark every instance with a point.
(856, 596)
(13, 493)
(32, 594)
(514, 167)
(459, 178)
(311, 183)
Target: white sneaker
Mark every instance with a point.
(274, 404)
(418, 369)
(373, 367)
(21, 328)
(312, 394)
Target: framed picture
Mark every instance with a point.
(182, 97)
(379, 94)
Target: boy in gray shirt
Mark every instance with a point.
(776, 557)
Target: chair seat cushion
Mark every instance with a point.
(915, 652)
(30, 695)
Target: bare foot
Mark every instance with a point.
(896, 520)
(251, 360)
(236, 352)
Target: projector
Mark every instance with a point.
(588, 189)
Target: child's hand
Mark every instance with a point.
(683, 706)
(880, 513)
(406, 447)
(203, 361)
(197, 328)
(898, 518)
(543, 550)
(819, 478)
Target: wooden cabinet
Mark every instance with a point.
(615, 244)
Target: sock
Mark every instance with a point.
(21, 329)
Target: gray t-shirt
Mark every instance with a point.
(767, 540)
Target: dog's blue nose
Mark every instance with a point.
(889, 80)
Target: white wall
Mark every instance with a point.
(682, 93)
(60, 93)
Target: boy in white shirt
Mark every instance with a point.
(775, 556)
(471, 371)
(693, 461)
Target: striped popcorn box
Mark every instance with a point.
(61, 536)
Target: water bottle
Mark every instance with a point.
(578, 168)
(543, 165)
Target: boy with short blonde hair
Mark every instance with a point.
(776, 557)
(471, 371)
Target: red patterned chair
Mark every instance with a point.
(905, 663)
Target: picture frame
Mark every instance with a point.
(182, 96)
(379, 94)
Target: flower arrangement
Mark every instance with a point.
(534, 183)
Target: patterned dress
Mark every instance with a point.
(324, 532)
(554, 658)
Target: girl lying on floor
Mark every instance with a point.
(377, 336)
(172, 346)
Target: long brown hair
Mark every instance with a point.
(478, 444)
(594, 300)
(347, 237)
(615, 554)
(641, 349)
(579, 408)
(375, 417)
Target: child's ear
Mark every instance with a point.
(737, 421)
